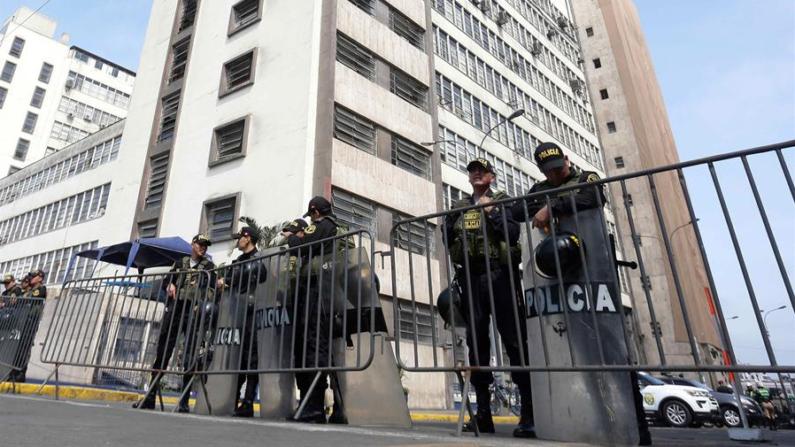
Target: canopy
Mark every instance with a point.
(140, 253)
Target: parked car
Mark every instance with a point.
(730, 413)
(677, 405)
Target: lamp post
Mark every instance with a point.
(764, 320)
(512, 116)
(433, 143)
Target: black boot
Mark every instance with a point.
(184, 405)
(526, 427)
(483, 415)
(147, 403)
(245, 410)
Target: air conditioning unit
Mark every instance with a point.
(562, 22)
(70, 115)
(88, 118)
(537, 49)
(513, 104)
(460, 113)
(485, 6)
(552, 32)
(502, 18)
(70, 84)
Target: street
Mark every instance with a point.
(40, 421)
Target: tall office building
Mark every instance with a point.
(52, 94)
(636, 135)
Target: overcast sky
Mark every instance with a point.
(727, 72)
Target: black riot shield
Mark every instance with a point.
(580, 322)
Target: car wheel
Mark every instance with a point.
(677, 414)
(731, 417)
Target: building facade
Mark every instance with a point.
(636, 134)
(52, 94)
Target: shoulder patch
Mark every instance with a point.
(592, 177)
(35, 292)
(310, 229)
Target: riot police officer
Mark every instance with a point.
(475, 299)
(242, 278)
(312, 309)
(184, 313)
(36, 294)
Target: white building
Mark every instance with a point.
(52, 94)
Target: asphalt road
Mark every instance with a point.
(38, 421)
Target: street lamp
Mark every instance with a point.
(764, 320)
(512, 116)
(671, 238)
(433, 143)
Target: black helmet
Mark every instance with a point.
(568, 248)
(449, 305)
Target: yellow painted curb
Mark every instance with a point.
(98, 394)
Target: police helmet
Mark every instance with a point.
(450, 301)
(567, 245)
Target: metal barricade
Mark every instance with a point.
(603, 315)
(19, 323)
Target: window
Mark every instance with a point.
(30, 123)
(97, 90)
(611, 127)
(53, 262)
(597, 63)
(168, 118)
(13, 170)
(238, 73)
(408, 88)
(147, 229)
(589, 32)
(8, 71)
(354, 211)
(230, 140)
(355, 56)
(405, 28)
(451, 195)
(38, 97)
(49, 151)
(45, 73)
(179, 60)
(603, 93)
(98, 64)
(88, 113)
(79, 55)
(419, 242)
(129, 340)
(220, 218)
(157, 181)
(16, 47)
(367, 6)
(416, 322)
(354, 130)
(410, 157)
(3, 94)
(22, 149)
(188, 14)
(619, 162)
(65, 132)
(244, 13)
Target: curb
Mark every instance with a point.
(98, 394)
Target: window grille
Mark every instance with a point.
(168, 119)
(405, 28)
(412, 158)
(354, 130)
(179, 60)
(355, 56)
(157, 181)
(408, 88)
(354, 211)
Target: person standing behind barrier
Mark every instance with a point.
(36, 294)
(762, 395)
(310, 308)
(242, 280)
(476, 293)
(181, 316)
(10, 290)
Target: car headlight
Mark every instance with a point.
(696, 393)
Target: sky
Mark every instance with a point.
(727, 73)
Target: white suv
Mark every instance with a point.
(676, 405)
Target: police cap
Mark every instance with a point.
(319, 204)
(296, 226)
(549, 156)
(202, 239)
(481, 162)
(35, 273)
(8, 279)
(251, 232)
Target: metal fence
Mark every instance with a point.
(19, 323)
(282, 311)
(601, 300)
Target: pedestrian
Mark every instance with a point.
(723, 388)
(311, 344)
(242, 277)
(495, 281)
(31, 305)
(185, 290)
(762, 395)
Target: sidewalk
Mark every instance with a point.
(105, 395)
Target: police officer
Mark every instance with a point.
(762, 396)
(184, 307)
(475, 289)
(555, 166)
(36, 294)
(242, 278)
(311, 307)
(10, 290)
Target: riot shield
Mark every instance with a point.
(580, 322)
